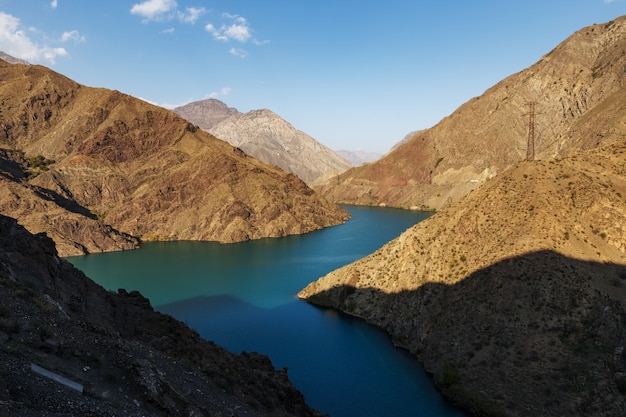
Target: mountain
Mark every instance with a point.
(116, 354)
(206, 113)
(12, 60)
(99, 170)
(358, 157)
(267, 137)
(490, 133)
(514, 298)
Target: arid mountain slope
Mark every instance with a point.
(100, 156)
(514, 297)
(269, 138)
(128, 359)
(489, 133)
(206, 113)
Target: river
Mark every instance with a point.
(243, 297)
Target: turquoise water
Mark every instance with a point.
(243, 297)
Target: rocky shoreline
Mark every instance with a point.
(130, 359)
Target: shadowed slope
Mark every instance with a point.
(511, 286)
(131, 360)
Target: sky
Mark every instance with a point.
(353, 74)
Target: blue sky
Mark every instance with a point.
(353, 74)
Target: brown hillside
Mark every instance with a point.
(489, 133)
(129, 168)
(515, 297)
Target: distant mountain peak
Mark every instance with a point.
(12, 60)
(266, 136)
(206, 113)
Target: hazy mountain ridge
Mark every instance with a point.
(515, 297)
(137, 169)
(128, 359)
(359, 156)
(489, 133)
(267, 137)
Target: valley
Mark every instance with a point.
(512, 294)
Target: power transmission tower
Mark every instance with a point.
(530, 146)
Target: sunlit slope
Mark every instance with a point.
(116, 165)
(490, 133)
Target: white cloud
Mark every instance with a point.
(192, 14)
(54, 4)
(154, 9)
(14, 41)
(73, 35)
(163, 10)
(169, 30)
(241, 53)
(224, 91)
(238, 29)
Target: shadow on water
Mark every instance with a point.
(539, 332)
(341, 363)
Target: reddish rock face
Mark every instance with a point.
(120, 170)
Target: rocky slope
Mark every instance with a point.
(267, 137)
(514, 297)
(98, 170)
(128, 359)
(489, 133)
(206, 113)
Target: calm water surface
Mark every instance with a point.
(243, 297)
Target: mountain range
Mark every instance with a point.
(580, 78)
(512, 295)
(99, 170)
(267, 137)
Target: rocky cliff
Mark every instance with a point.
(267, 137)
(117, 356)
(490, 133)
(514, 298)
(99, 170)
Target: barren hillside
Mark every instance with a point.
(490, 133)
(97, 170)
(514, 297)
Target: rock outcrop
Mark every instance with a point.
(267, 137)
(490, 133)
(99, 170)
(127, 359)
(514, 298)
